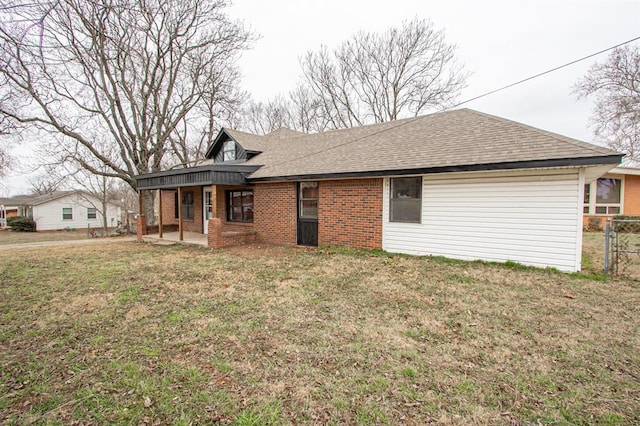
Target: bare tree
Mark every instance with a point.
(261, 118)
(124, 87)
(377, 77)
(615, 86)
(46, 183)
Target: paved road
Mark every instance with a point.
(67, 243)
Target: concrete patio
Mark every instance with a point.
(168, 238)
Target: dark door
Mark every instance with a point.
(308, 213)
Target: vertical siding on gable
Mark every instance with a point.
(531, 219)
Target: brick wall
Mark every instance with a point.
(275, 213)
(631, 195)
(168, 209)
(221, 206)
(350, 213)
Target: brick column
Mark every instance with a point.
(214, 236)
(141, 227)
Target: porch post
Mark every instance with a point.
(214, 201)
(180, 214)
(141, 223)
(160, 213)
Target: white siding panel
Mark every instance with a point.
(48, 216)
(529, 219)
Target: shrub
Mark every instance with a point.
(594, 224)
(21, 224)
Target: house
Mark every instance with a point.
(460, 184)
(615, 193)
(58, 210)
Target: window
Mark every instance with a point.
(608, 196)
(229, 151)
(240, 206)
(67, 213)
(187, 205)
(308, 199)
(405, 203)
(587, 197)
(603, 196)
(91, 213)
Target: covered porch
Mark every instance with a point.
(198, 206)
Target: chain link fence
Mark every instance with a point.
(622, 247)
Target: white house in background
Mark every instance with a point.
(62, 210)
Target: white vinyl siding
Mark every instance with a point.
(532, 219)
(48, 216)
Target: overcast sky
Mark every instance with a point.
(500, 42)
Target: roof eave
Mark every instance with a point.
(531, 164)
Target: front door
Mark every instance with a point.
(207, 207)
(308, 213)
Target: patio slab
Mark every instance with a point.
(169, 238)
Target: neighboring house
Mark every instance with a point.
(460, 184)
(62, 210)
(617, 192)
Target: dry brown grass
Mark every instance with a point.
(593, 250)
(135, 333)
(12, 237)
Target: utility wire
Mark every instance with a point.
(543, 73)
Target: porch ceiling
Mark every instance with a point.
(213, 174)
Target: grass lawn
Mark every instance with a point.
(11, 237)
(132, 333)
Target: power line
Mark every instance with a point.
(545, 72)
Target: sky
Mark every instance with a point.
(499, 42)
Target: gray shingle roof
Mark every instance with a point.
(34, 200)
(461, 137)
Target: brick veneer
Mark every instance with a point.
(350, 213)
(141, 227)
(275, 213)
(168, 209)
(631, 195)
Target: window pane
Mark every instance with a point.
(67, 213)
(236, 214)
(585, 209)
(405, 210)
(308, 190)
(91, 213)
(587, 192)
(608, 191)
(229, 151)
(614, 210)
(248, 214)
(601, 210)
(309, 209)
(240, 206)
(406, 200)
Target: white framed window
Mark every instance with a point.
(229, 151)
(67, 213)
(603, 197)
(91, 213)
(405, 203)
